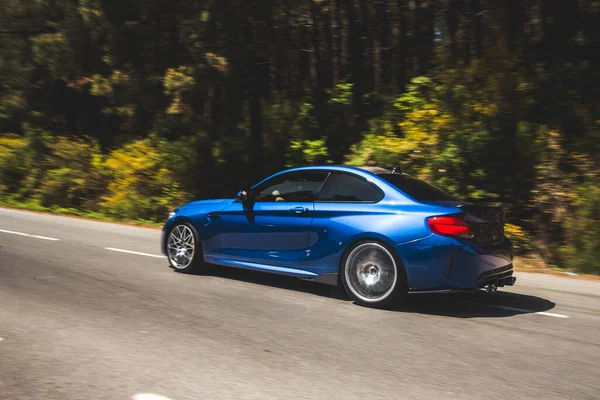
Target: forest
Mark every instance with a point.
(126, 109)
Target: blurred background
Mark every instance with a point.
(126, 109)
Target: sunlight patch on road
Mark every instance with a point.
(148, 396)
(28, 235)
(137, 253)
(547, 314)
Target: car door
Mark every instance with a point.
(271, 228)
(343, 209)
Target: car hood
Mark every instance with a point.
(209, 202)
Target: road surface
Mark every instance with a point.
(81, 319)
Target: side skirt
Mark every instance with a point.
(298, 273)
(328, 279)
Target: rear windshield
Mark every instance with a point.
(417, 189)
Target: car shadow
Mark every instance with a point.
(477, 304)
(278, 281)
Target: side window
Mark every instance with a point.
(351, 188)
(290, 187)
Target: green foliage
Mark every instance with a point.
(582, 251)
(74, 174)
(12, 169)
(343, 129)
(432, 139)
(52, 51)
(308, 152)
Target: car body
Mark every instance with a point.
(307, 222)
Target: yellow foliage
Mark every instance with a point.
(119, 77)
(100, 86)
(517, 235)
(9, 142)
(141, 184)
(178, 79)
(217, 62)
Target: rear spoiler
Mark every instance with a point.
(485, 212)
(482, 204)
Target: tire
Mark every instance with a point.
(373, 274)
(184, 249)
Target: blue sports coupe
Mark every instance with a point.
(377, 231)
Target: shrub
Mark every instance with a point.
(142, 186)
(582, 251)
(74, 175)
(519, 238)
(12, 168)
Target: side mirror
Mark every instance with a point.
(242, 195)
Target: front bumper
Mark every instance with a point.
(163, 243)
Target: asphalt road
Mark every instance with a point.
(78, 321)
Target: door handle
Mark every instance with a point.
(298, 210)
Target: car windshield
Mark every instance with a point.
(417, 189)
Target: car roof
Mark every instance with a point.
(372, 173)
(349, 168)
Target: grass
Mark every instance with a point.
(533, 262)
(35, 206)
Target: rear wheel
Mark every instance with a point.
(372, 275)
(183, 248)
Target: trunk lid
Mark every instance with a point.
(486, 219)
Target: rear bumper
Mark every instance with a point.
(499, 276)
(473, 266)
(443, 264)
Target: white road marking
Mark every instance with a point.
(148, 396)
(1, 339)
(547, 314)
(133, 252)
(43, 237)
(28, 235)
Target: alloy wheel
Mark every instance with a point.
(181, 246)
(371, 272)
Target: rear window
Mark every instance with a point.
(418, 189)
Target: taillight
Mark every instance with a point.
(450, 226)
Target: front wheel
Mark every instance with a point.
(183, 248)
(372, 275)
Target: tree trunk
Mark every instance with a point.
(476, 13)
(334, 46)
(256, 148)
(452, 21)
(402, 46)
(316, 63)
(385, 41)
(356, 55)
